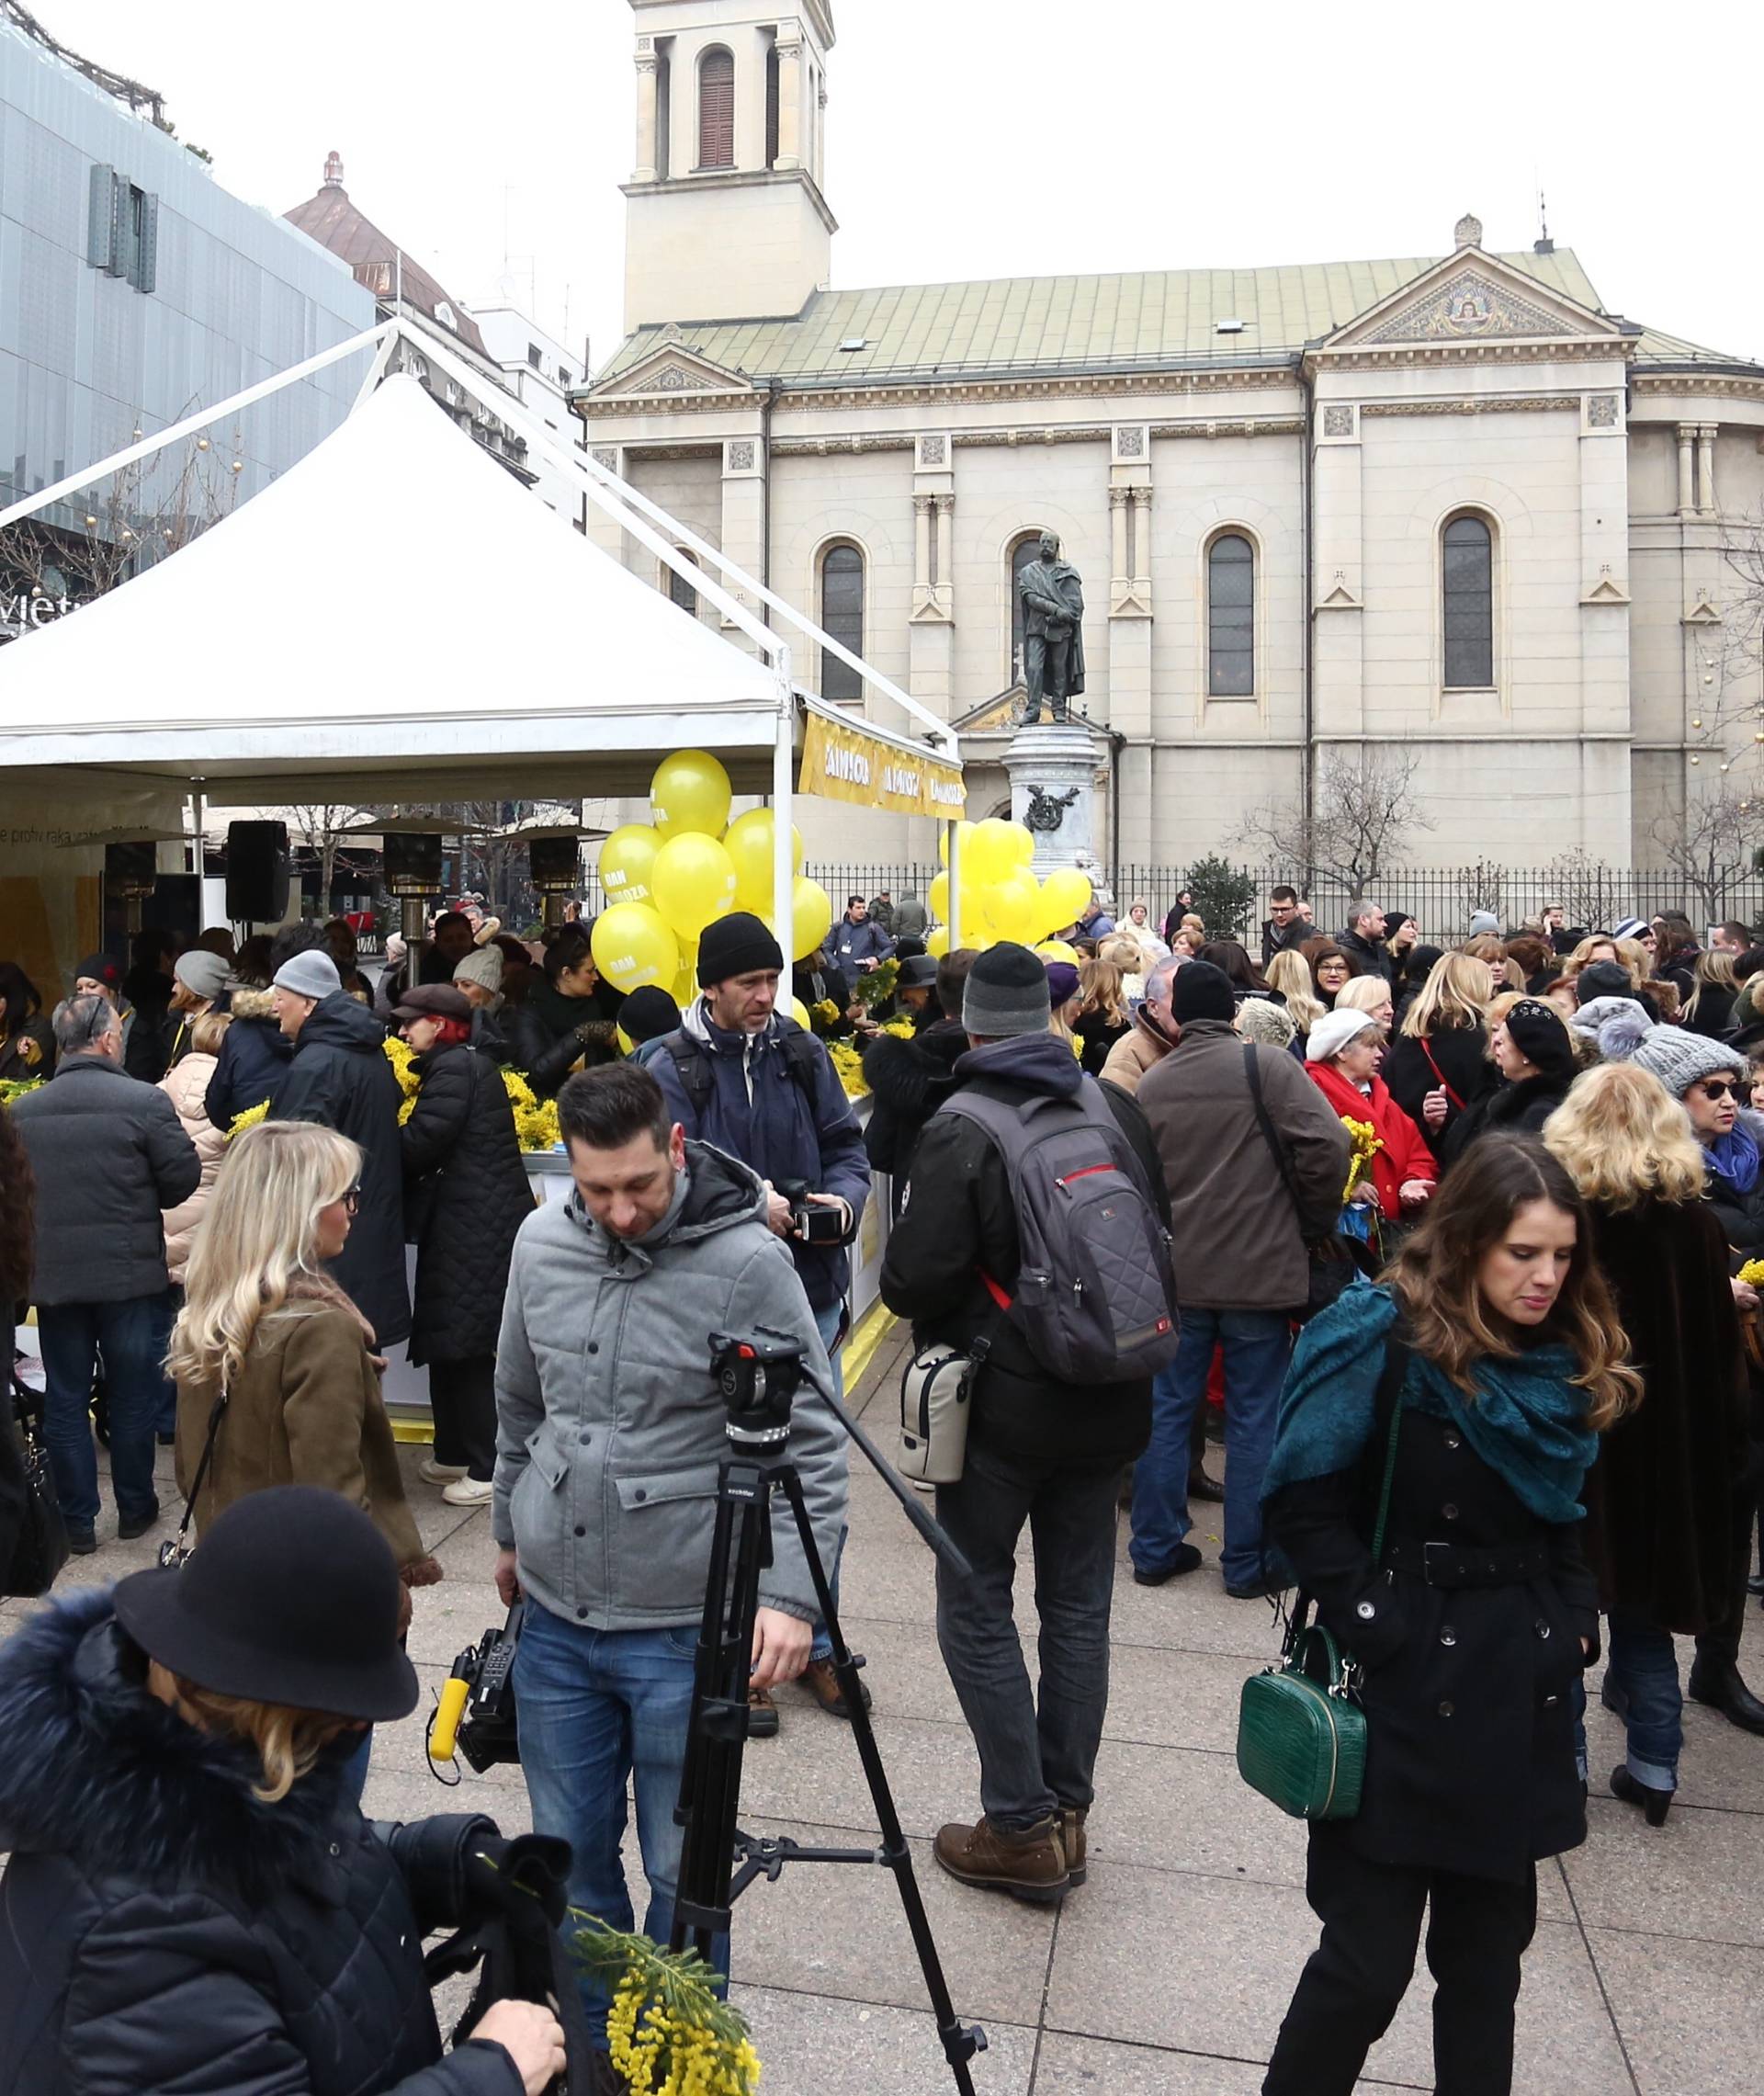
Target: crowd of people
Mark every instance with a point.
(1454, 1231)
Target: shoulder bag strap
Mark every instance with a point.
(175, 1551)
(1252, 1070)
(1446, 1085)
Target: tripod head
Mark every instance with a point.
(759, 1377)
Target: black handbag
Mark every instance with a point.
(39, 1549)
(1334, 1262)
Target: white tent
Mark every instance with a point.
(395, 618)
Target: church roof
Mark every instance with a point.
(336, 221)
(1145, 318)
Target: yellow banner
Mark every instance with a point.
(840, 762)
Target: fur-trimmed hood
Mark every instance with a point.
(243, 1003)
(97, 1770)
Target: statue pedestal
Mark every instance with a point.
(1053, 792)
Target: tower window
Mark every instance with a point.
(663, 111)
(842, 616)
(1230, 618)
(771, 106)
(1468, 604)
(716, 109)
(680, 590)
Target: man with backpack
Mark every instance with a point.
(1029, 1239)
(763, 1089)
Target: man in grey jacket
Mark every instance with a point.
(1240, 1220)
(610, 1430)
(108, 1155)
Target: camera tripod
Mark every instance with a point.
(719, 1861)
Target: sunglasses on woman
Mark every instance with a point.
(352, 1200)
(1713, 1088)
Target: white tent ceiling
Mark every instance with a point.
(395, 619)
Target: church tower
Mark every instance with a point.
(724, 215)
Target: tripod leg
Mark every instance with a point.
(960, 2041)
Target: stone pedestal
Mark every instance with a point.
(1053, 789)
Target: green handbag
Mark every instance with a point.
(1301, 1732)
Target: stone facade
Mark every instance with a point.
(1607, 465)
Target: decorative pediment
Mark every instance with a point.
(993, 716)
(671, 367)
(1470, 297)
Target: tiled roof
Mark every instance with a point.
(1011, 325)
(332, 219)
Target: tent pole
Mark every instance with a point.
(952, 832)
(783, 851)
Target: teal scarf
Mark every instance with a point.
(1527, 1422)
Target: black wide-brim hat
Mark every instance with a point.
(291, 1597)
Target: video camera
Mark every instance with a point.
(476, 1706)
(814, 1222)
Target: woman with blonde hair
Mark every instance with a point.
(1289, 976)
(1103, 1014)
(1709, 1010)
(1476, 1378)
(268, 1353)
(1370, 994)
(1663, 1508)
(1437, 1066)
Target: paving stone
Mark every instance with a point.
(1697, 1875)
(811, 2047)
(1691, 2014)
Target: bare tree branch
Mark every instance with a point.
(1363, 811)
(1710, 848)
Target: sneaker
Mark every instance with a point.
(762, 1715)
(1187, 1559)
(1075, 1841)
(82, 1540)
(129, 1526)
(469, 1492)
(433, 1473)
(1030, 1865)
(822, 1684)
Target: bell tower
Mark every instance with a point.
(724, 215)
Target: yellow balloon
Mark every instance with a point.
(976, 927)
(937, 945)
(686, 985)
(626, 861)
(748, 841)
(690, 792)
(1013, 907)
(1068, 896)
(964, 831)
(799, 1012)
(811, 917)
(1024, 840)
(632, 946)
(990, 854)
(693, 879)
(937, 898)
(1056, 950)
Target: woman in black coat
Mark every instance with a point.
(1530, 1050)
(1492, 1354)
(467, 1194)
(1441, 1052)
(572, 1017)
(1664, 1505)
(192, 1901)
(26, 1038)
(253, 1056)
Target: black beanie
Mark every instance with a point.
(1006, 993)
(1603, 979)
(1536, 1030)
(647, 1014)
(1202, 992)
(740, 943)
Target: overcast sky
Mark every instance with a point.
(967, 137)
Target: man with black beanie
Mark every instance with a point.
(1039, 1450)
(1254, 1162)
(737, 1074)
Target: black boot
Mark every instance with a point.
(1656, 1804)
(1718, 1683)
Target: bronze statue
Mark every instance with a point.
(1053, 631)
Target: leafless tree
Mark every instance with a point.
(1710, 846)
(1589, 891)
(1482, 887)
(323, 831)
(1364, 808)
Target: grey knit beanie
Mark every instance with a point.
(483, 966)
(1678, 1058)
(1006, 993)
(202, 974)
(1484, 923)
(311, 974)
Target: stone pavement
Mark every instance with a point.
(1167, 1975)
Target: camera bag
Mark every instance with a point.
(936, 1386)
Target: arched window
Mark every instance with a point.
(1230, 616)
(716, 109)
(679, 589)
(1468, 604)
(1023, 551)
(842, 616)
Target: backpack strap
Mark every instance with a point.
(691, 1061)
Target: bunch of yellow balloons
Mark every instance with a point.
(1000, 897)
(665, 880)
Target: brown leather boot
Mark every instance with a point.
(1029, 1865)
(1071, 1819)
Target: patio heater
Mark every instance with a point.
(555, 862)
(131, 871)
(411, 865)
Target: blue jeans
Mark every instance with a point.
(1642, 1687)
(132, 1335)
(1258, 1345)
(596, 1707)
(827, 1324)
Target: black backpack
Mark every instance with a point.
(691, 1061)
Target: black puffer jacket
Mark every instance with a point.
(109, 1154)
(466, 1194)
(161, 1929)
(340, 1077)
(253, 1059)
(908, 1080)
(552, 1032)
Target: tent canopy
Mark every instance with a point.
(395, 619)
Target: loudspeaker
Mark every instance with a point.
(257, 872)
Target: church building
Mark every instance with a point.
(1450, 505)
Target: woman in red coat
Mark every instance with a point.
(1342, 1056)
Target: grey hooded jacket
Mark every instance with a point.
(609, 1428)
